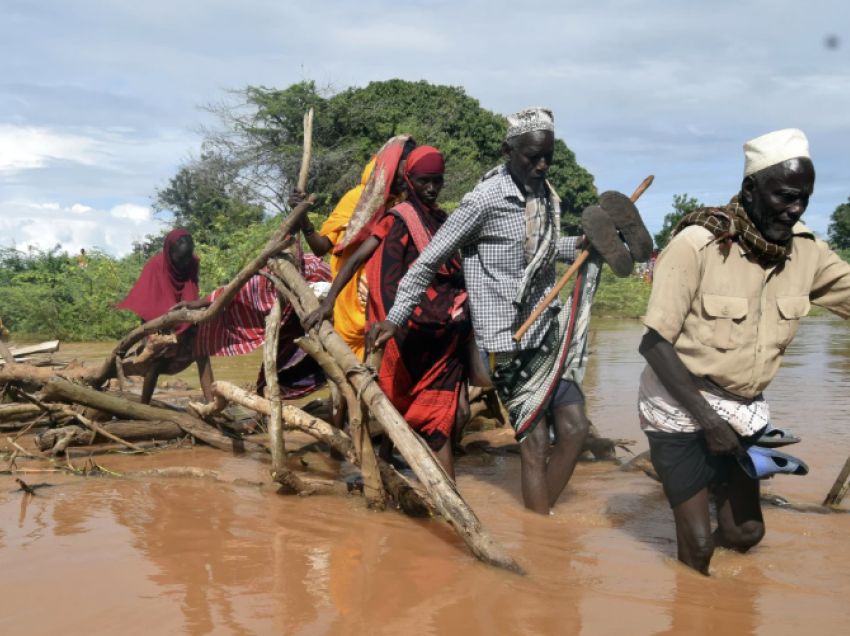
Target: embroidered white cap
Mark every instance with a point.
(773, 148)
(529, 120)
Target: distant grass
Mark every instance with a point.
(616, 297)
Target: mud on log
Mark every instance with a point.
(129, 430)
(439, 486)
(125, 409)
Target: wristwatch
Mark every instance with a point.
(308, 231)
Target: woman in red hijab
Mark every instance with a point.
(167, 279)
(424, 370)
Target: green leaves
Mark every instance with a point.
(839, 227)
(682, 205)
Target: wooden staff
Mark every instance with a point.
(308, 150)
(572, 270)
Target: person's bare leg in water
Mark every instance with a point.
(545, 474)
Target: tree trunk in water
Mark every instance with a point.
(132, 411)
(129, 430)
(432, 476)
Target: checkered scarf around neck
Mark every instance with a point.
(732, 225)
(542, 228)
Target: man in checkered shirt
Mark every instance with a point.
(507, 230)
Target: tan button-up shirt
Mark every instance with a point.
(730, 319)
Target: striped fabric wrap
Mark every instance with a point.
(241, 327)
(526, 381)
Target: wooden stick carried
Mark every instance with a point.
(572, 270)
(308, 150)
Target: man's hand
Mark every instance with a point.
(720, 437)
(381, 333)
(297, 197)
(315, 318)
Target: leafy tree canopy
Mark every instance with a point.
(839, 226)
(266, 126)
(682, 205)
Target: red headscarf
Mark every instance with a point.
(376, 195)
(423, 160)
(162, 285)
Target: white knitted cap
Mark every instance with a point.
(530, 119)
(773, 148)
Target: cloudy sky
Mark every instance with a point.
(98, 98)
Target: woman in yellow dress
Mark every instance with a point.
(350, 224)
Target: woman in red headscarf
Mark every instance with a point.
(167, 279)
(424, 370)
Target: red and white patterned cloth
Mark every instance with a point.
(241, 327)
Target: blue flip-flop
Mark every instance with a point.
(761, 463)
(771, 437)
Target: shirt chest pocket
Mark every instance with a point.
(724, 321)
(791, 309)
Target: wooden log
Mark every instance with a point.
(125, 409)
(836, 493)
(277, 243)
(279, 472)
(308, 151)
(293, 417)
(52, 346)
(97, 430)
(17, 412)
(129, 430)
(421, 459)
(413, 501)
(277, 442)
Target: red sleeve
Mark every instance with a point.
(384, 226)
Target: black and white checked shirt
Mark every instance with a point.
(489, 230)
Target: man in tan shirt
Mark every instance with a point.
(728, 295)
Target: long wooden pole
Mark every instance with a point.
(308, 151)
(572, 270)
(276, 440)
(836, 493)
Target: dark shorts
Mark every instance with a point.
(685, 465)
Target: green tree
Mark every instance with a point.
(261, 131)
(839, 226)
(682, 205)
(206, 198)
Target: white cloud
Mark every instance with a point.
(136, 213)
(27, 147)
(46, 224)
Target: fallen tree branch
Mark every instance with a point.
(98, 430)
(132, 411)
(293, 417)
(129, 430)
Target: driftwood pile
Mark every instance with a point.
(78, 405)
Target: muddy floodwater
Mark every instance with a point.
(187, 556)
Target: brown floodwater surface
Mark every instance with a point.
(190, 556)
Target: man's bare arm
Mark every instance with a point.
(674, 375)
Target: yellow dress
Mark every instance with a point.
(349, 312)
